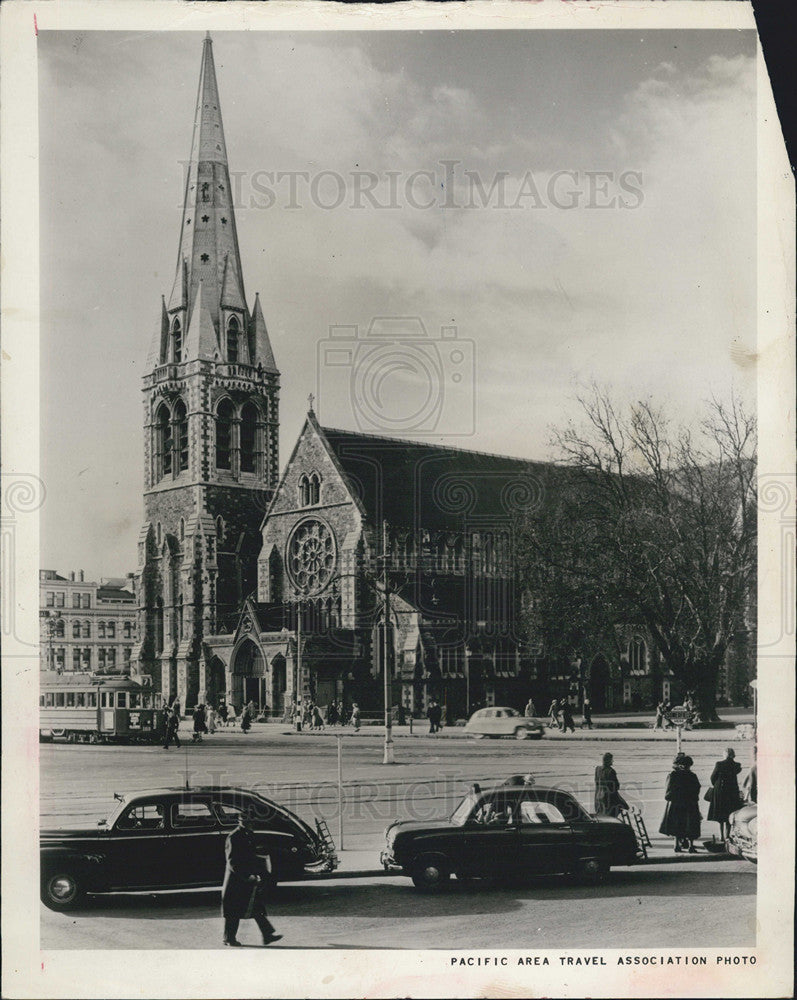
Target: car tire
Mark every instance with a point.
(62, 890)
(591, 869)
(430, 872)
(522, 733)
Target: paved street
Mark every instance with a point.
(699, 904)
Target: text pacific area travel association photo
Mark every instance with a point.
(600, 960)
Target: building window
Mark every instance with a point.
(315, 488)
(180, 617)
(232, 341)
(59, 599)
(86, 658)
(177, 341)
(304, 491)
(50, 599)
(224, 415)
(101, 658)
(220, 527)
(111, 658)
(159, 625)
(111, 630)
(128, 630)
(75, 630)
(76, 600)
(76, 658)
(163, 442)
(126, 654)
(86, 630)
(637, 655)
(180, 425)
(59, 628)
(100, 630)
(249, 437)
(86, 601)
(182, 529)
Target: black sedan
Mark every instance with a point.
(506, 832)
(174, 839)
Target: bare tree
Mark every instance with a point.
(652, 525)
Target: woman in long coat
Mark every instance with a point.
(725, 797)
(608, 800)
(682, 814)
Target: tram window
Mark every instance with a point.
(135, 699)
(48, 699)
(41, 701)
(91, 699)
(106, 699)
(70, 699)
(59, 699)
(121, 699)
(192, 814)
(80, 699)
(146, 700)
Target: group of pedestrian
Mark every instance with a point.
(434, 713)
(682, 817)
(561, 715)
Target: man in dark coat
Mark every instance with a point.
(241, 893)
(682, 814)
(608, 800)
(725, 796)
(567, 716)
(172, 725)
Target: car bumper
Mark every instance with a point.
(389, 863)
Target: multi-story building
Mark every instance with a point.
(85, 625)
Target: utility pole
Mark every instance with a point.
(388, 752)
(298, 666)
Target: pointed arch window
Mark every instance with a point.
(220, 527)
(233, 331)
(304, 491)
(86, 630)
(249, 435)
(180, 425)
(177, 341)
(315, 488)
(163, 442)
(76, 630)
(224, 416)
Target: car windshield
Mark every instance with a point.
(511, 711)
(463, 810)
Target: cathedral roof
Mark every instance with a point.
(434, 486)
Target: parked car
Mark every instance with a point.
(501, 721)
(174, 839)
(509, 831)
(743, 835)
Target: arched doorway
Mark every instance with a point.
(600, 684)
(216, 691)
(279, 683)
(248, 674)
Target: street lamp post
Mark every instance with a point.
(387, 757)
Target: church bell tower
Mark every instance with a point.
(211, 418)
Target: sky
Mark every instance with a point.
(617, 245)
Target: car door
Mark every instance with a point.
(196, 842)
(134, 846)
(491, 836)
(545, 837)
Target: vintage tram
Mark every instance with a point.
(98, 708)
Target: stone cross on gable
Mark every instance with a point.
(310, 401)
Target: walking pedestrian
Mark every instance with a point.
(659, 723)
(430, 715)
(211, 719)
(223, 711)
(567, 717)
(332, 713)
(750, 783)
(608, 800)
(355, 715)
(682, 813)
(724, 796)
(530, 710)
(172, 725)
(242, 893)
(553, 712)
(246, 719)
(318, 720)
(586, 714)
(199, 724)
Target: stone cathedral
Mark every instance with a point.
(364, 554)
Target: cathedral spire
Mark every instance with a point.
(208, 239)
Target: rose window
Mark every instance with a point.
(311, 556)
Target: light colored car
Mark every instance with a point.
(501, 721)
(743, 836)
